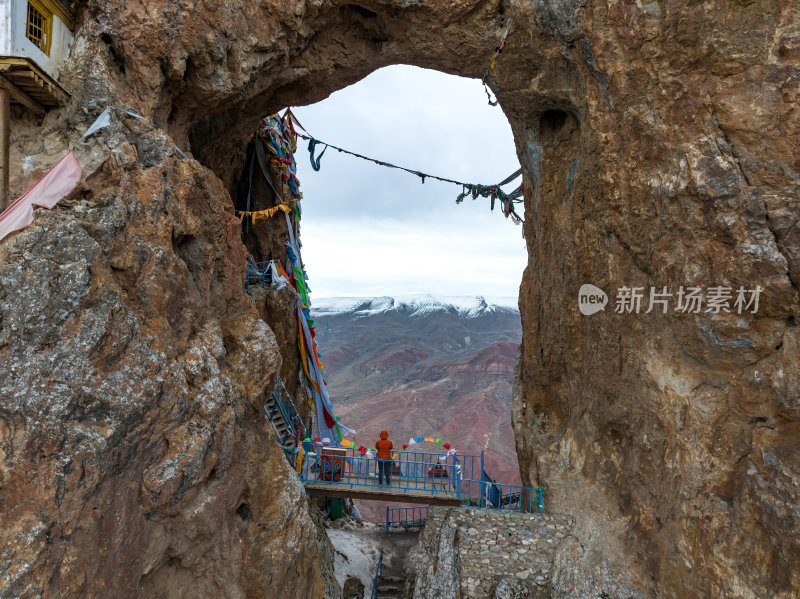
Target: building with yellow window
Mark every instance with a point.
(38, 30)
(35, 36)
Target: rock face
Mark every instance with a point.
(134, 460)
(659, 144)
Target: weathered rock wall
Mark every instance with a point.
(659, 142)
(675, 166)
(134, 458)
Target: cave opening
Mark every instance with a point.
(350, 227)
(355, 237)
(378, 236)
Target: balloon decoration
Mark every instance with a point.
(414, 440)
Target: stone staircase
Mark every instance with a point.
(391, 586)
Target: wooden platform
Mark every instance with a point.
(29, 85)
(402, 490)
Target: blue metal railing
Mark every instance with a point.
(503, 497)
(481, 491)
(284, 405)
(376, 581)
(461, 478)
(259, 274)
(411, 471)
(405, 516)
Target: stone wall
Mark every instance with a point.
(470, 553)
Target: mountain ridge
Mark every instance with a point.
(416, 305)
(424, 366)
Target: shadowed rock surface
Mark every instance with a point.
(134, 458)
(659, 144)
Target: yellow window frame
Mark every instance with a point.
(39, 27)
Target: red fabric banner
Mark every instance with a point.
(47, 192)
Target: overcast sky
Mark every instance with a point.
(368, 230)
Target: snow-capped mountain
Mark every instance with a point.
(414, 305)
(424, 366)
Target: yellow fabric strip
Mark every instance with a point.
(268, 213)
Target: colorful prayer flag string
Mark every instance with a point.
(266, 214)
(475, 190)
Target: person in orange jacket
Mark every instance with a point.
(384, 447)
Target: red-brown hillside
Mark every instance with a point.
(428, 368)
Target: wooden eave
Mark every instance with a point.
(29, 85)
(61, 10)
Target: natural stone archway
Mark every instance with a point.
(659, 142)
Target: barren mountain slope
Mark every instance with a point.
(424, 367)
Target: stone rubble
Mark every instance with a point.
(492, 552)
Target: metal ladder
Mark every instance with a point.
(284, 417)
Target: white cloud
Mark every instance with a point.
(369, 230)
(369, 257)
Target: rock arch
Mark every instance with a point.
(659, 143)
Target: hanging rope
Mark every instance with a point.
(313, 142)
(492, 191)
(493, 64)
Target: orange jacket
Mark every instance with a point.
(384, 447)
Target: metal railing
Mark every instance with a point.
(479, 490)
(503, 497)
(376, 580)
(259, 274)
(416, 472)
(284, 405)
(460, 478)
(405, 516)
